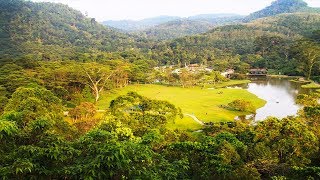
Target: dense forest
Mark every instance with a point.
(53, 31)
(56, 65)
(261, 43)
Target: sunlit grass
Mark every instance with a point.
(203, 103)
(231, 83)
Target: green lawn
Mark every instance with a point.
(203, 103)
(231, 83)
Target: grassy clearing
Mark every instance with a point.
(312, 85)
(203, 103)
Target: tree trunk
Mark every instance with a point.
(96, 92)
(309, 73)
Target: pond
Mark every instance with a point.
(280, 94)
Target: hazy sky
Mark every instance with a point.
(139, 9)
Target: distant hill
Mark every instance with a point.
(188, 26)
(237, 39)
(171, 27)
(130, 25)
(149, 23)
(48, 29)
(280, 7)
(176, 29)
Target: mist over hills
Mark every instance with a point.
(170, 27)
(140, 25)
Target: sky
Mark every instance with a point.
(139, 9)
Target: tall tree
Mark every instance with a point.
(308, 54)
(97, 77)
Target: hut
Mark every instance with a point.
(228, 73)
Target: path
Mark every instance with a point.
(195, 119)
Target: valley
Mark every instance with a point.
(207, 96)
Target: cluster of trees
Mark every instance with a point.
(51, 32)
(185, 77)
(261, 43)
(131, 141)
(71, 81)
(241, 105)
(55, 59)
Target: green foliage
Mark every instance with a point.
(241, 105)
(28, 104)
(294, 144)
(176, 29)
(308, 99)
(141, 113)
(270, 149)
(132, 141)
(85, 110)
(264, 43)
(308, 54)
(50, 31)
(7, 128)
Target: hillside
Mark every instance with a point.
(131, 25)
(188, 26)
(232, 42)
(46, 30)
(280, 7)
(176, 29)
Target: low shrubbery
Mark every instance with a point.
(241, 105)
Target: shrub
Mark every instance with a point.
(237, 76)
(241, 105)
(84, 110)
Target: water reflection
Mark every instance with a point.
(280, 95)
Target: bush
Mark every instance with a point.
(315, 78)
(237, 76)
(84, 111)
(241, 105)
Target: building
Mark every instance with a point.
(228, 73)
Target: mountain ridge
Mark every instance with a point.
(280, 7)
(144, 24)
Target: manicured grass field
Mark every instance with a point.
(203, 103)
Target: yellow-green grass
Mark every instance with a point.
(312, 85)
(203, 103)
(231, 83)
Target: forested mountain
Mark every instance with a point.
(70, 108)
(175, 29)
(232, 43)
(282, 6)
(189, 26)
(53, 31)
(131, 25)
(149, 23)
